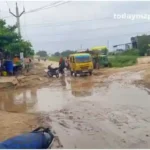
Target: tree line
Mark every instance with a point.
(142, 48)
(65, 53)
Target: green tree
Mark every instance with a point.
(12, 43)
(143, 42)
(42, 53)
(66, 53)
(57, 54)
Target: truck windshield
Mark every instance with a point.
(83, 58)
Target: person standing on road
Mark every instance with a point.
(61, 65)
(67, 63)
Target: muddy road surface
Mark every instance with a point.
(88, 112)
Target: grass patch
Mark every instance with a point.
(54, 58)
(122, 61)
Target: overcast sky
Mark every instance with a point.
(78, 23)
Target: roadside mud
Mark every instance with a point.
(14, 124)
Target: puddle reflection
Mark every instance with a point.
(82, 87)
(67, 89)
(18, 101)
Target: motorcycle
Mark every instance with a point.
(53, 71)
(40, 138)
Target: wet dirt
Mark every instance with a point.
(90, 112)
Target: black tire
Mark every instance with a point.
(49, 74)
(75, 74)
(71, 73)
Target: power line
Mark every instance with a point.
(48, 6)
(34, 10)
(42, 8)
(45, 6)
(103, 28)
(102, 37)
(75, 21)
(59, 4)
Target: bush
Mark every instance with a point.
(131, 52)
(122, 61)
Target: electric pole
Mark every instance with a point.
(17, 16)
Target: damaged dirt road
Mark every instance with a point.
(106, 110)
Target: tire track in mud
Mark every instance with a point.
(102, 123)
(108, 123)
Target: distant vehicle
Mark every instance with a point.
(81, 63)
(99, 56)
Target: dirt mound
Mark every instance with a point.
(143, 60)
(13, 124)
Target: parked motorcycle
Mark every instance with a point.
(53, 71)
(40, 138)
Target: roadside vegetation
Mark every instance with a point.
(11, 43)
(126, 58)
(122, 61)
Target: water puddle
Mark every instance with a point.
(46, 99)
(62, 91)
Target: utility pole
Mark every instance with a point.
(17, 16)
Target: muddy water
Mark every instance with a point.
(87, 113)
(45, 99)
